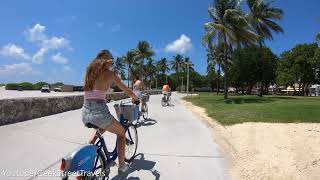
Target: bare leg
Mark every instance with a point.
(142, 104)
(116, 128)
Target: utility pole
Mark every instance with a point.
(187, 79)
(181, 84)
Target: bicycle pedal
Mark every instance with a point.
(113, 163)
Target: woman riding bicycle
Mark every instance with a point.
(98, 80)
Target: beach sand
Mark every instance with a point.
(274, 151)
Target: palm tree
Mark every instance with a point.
(130, 61)
(162, 67)
(187, 61)
(176, 63)
(143, 51)
(118, 67)
(230, 27)
(215, 56)
(150, 70)
(262, 18)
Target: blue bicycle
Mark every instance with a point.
(94, 161)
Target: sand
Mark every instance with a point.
(274, 151)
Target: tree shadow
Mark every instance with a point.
(249, 100)
(256, 99)
(283, 97)
(146, 122)
(139, 164)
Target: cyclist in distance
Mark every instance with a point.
(165, 90)
(98, 80)
(138, 88)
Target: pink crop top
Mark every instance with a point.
(95, 94)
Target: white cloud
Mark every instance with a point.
(58, 58)
(14, 69)
(55, 43)
(38, 56)
(14, 51)
(100, 24)
(180, 46)
(36, 33)
(115, 28)
(67, 68)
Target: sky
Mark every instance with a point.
(55, 40)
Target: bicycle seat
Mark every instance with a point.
(90, 125)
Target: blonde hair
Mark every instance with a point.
(100, 64)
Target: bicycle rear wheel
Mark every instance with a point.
(145, 112)
(131, 143)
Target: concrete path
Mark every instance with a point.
(173, 144)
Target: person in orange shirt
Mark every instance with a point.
(165, 88)
(166, 91)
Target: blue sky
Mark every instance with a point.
(54, 40)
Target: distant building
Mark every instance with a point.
(67, 88)
(64, 88)
(315, 90)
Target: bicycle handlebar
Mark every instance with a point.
(131, 102)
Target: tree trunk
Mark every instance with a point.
(262, 68)
(225, 86)
(294, 89)
(128, 76)
(218, 81)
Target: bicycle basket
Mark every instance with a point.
(145, 97)
(129, 112)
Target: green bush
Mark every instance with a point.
(12, 86)
(57, 84)
(26, 86)
(39, 85)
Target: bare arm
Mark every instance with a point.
(122, 86)
(142, 86)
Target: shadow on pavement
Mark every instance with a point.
(139, 163)
(147, 122)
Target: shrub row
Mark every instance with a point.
(26, 86)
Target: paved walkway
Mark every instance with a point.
(173, 144)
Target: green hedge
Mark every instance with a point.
(39, 85)
(25, 86)
(12, 86)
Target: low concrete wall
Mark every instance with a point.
(18, 110)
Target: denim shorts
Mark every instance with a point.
(96, 113)
(138, 94)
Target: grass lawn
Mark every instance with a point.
(275, 109)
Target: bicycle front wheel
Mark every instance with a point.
(145, 111)
(163, 102)
(131, 143)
